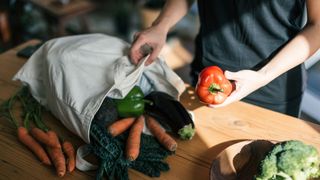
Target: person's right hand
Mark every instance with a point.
(154, 37)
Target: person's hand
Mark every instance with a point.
(151, 39)
(246, 81)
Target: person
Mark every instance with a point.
(260, 44)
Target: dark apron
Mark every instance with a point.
(246, 34)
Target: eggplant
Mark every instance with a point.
(160, 117)
(165, 109)
(107, 113)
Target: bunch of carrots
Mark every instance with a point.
(136, 126)
(40, 140)
(53, 152)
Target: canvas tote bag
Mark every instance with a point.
(72, 75)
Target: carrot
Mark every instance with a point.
(70, 152)
(120, 126)
(134, 138)
(56, 154)
(25, 138)
(160, 134)
(58, 160)
(42, 137)
(54, 140)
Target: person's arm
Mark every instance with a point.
(171, 13)
(299, 49)
(155, 36)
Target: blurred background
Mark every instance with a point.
(22, 20)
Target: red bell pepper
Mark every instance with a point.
(212, 86)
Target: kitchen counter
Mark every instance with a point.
(216, 130)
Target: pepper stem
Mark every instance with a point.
(213, 88)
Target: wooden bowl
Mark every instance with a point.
(240, 161)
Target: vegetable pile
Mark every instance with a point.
(117, 136)
(43, 142)
(116, 133)
(290, 160)
(159, 106)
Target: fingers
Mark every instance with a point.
(232, 98)
(153, 56)
(135, 53)
(236, 95)
(136, 35)
(147, 42)
(244, 82)
(140, 50)
(232, 75)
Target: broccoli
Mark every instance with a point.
(290, 160)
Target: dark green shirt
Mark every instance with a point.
(246, 34)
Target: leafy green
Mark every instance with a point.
(113, 162)
(6, 110)
(31, 109)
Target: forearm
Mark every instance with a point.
(171, 13)
(299, 49)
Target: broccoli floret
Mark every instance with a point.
(290, 160)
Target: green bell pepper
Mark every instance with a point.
(133, 104)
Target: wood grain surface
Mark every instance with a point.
(240, 161)
(216, 130)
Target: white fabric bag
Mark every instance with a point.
(72, 75)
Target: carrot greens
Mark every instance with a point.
(40, 135)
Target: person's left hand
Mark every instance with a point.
(246, 81)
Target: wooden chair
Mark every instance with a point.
(58, 15)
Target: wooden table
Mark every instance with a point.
(216, 130)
